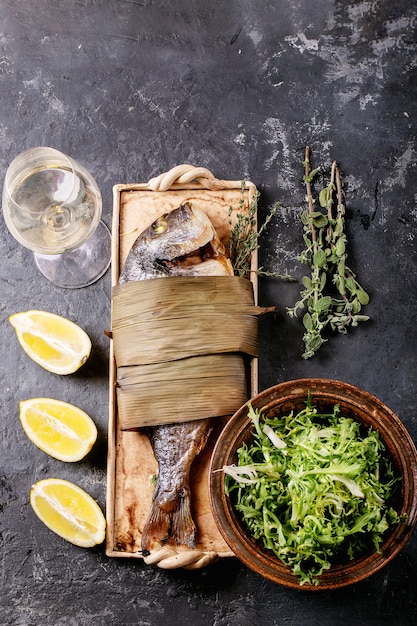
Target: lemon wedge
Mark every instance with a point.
(68, 511)
(58, 428)
(54, 342)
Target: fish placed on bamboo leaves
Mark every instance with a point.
(180, 243)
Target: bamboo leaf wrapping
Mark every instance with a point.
(179, 347)
(190, 393)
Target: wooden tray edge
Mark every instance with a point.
(200, 559)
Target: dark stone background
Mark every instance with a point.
(132, 88)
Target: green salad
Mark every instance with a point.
(314, 488)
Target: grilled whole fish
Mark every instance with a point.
(180, 243)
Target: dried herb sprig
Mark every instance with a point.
(245, 234)
(331, 296)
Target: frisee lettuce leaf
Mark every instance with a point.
(314, 488)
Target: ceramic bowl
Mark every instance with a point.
(353, 402)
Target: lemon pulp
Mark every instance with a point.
(69, 511)
(60, 429)
(54, 342)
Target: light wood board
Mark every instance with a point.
(131, 463)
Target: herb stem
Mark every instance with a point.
(307, 179)
(331, 296)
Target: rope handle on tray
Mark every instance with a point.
(185, 174)
(169, 558)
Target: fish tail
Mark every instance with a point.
(169, 522)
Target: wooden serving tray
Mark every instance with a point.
(131, 463)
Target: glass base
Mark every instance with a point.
(80, 267)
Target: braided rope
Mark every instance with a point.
(185, 174)
(170, 558)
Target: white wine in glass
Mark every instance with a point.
(52, 205)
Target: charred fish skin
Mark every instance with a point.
(172, 246)
(175, 447)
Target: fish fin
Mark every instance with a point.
(169, 523)
(183, 529)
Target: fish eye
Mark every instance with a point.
(160, 226)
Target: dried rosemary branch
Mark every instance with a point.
(331, 296)
(244, 234)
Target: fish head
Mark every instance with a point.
(180, 242)
(180, 232)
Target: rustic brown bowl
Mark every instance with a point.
(354, 403)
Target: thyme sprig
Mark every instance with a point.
(244, 234)
(332, 296)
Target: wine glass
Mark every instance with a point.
(52, 205)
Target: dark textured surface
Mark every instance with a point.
(130, 89)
